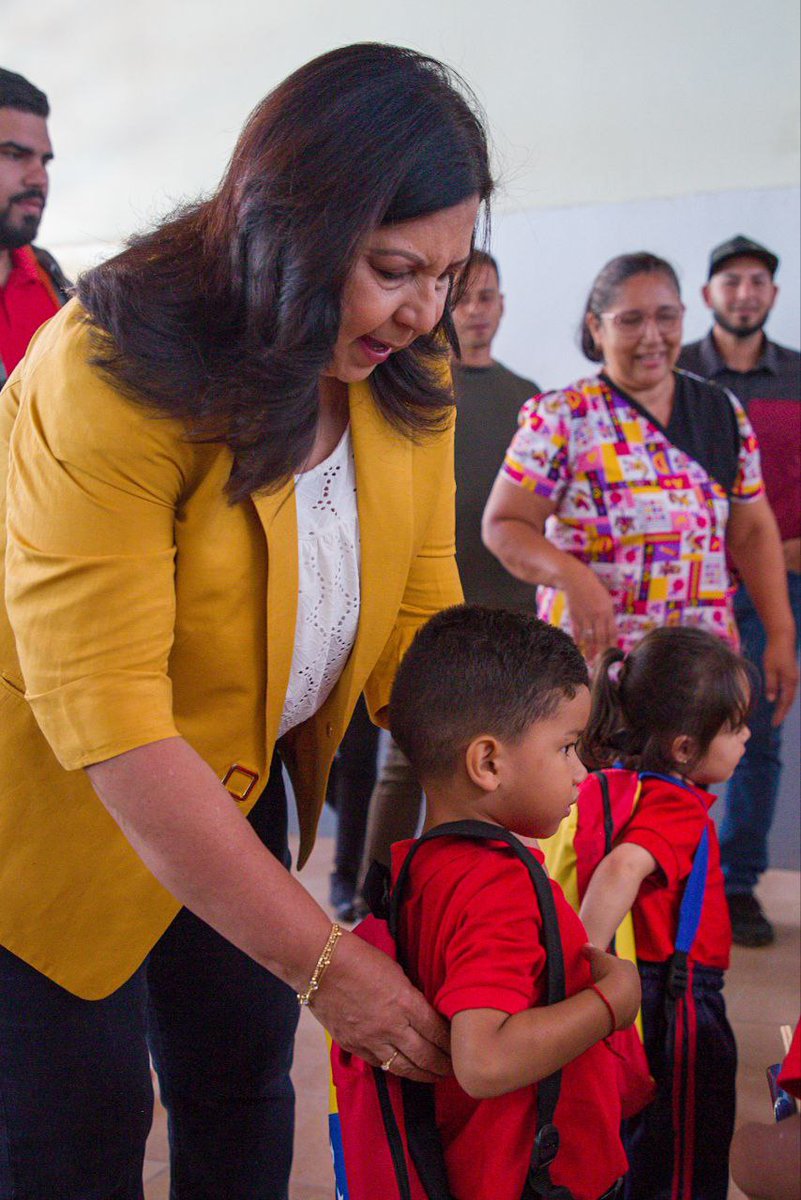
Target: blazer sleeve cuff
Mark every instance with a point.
(89, 720)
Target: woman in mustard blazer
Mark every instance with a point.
(152, 439)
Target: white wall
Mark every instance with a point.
(618, 125)
(589, 102)
(549, 257)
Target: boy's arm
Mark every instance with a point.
(613, 889)
(494, 1052)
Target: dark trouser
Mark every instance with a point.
(754, 786)
(75, 1093)
(351, 784)
(394, 808)
(678, 1147)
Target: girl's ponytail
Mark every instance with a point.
(677, 681)
(600, 742)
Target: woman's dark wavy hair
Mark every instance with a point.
(676, 682)
(607, 283)
(226, 314)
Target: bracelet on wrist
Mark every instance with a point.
(305, 998)
(594, 988)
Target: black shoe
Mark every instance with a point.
(749, 925)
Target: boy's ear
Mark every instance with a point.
(682, 749)
(481, 762)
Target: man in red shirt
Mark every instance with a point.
(32, 287)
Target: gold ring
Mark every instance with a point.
(386, 1065)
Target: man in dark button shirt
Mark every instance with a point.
(488, 399)
(766, 378)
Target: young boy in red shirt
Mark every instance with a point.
(488, 706)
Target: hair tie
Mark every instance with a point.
(615, 670)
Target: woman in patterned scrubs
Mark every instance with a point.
(623, 494)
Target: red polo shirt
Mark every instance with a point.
(26, 302)
(472, 935)
(668, 822)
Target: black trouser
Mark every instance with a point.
(686, 1131)
(76, 1099)
(352, 781)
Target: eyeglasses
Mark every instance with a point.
(632, 322)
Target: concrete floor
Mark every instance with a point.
(763, 992)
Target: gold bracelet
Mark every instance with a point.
(304, 998)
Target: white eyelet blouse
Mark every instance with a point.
(328, 581)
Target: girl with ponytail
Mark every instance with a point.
(672, 712)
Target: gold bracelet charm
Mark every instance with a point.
(304, 998)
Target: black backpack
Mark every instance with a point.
(383, 1132)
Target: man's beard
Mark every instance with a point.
(739, 331)
(14, 236)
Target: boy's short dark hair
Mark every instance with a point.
(17, 92)
(474, 670)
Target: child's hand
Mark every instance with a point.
(619, 980)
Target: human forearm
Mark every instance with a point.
(190, 834)
(753, 540)
(754, 543)
(612, 891)
(494, 1052)
(500, 1053)
(513, 529)
(529, 555)
(526, 553)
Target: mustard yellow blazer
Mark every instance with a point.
(141, 605)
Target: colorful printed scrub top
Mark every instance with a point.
(648, 517)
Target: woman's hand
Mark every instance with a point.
(619, 980)
(513, 529)
(590, 608)
(191, 835)
(369, 1007)
(781, 673)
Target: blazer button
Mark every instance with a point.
(329, 729)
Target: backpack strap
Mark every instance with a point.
(395, 1142)
(692, 904)
(609, 829)
(606, 801)
(546, 1142)
(61, 286)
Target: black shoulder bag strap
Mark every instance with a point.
(606, 800)
(62, 286)
(418, 1098)
(609, 828)
(692, 904)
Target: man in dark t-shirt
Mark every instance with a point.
(488, 398)
(766, 378)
